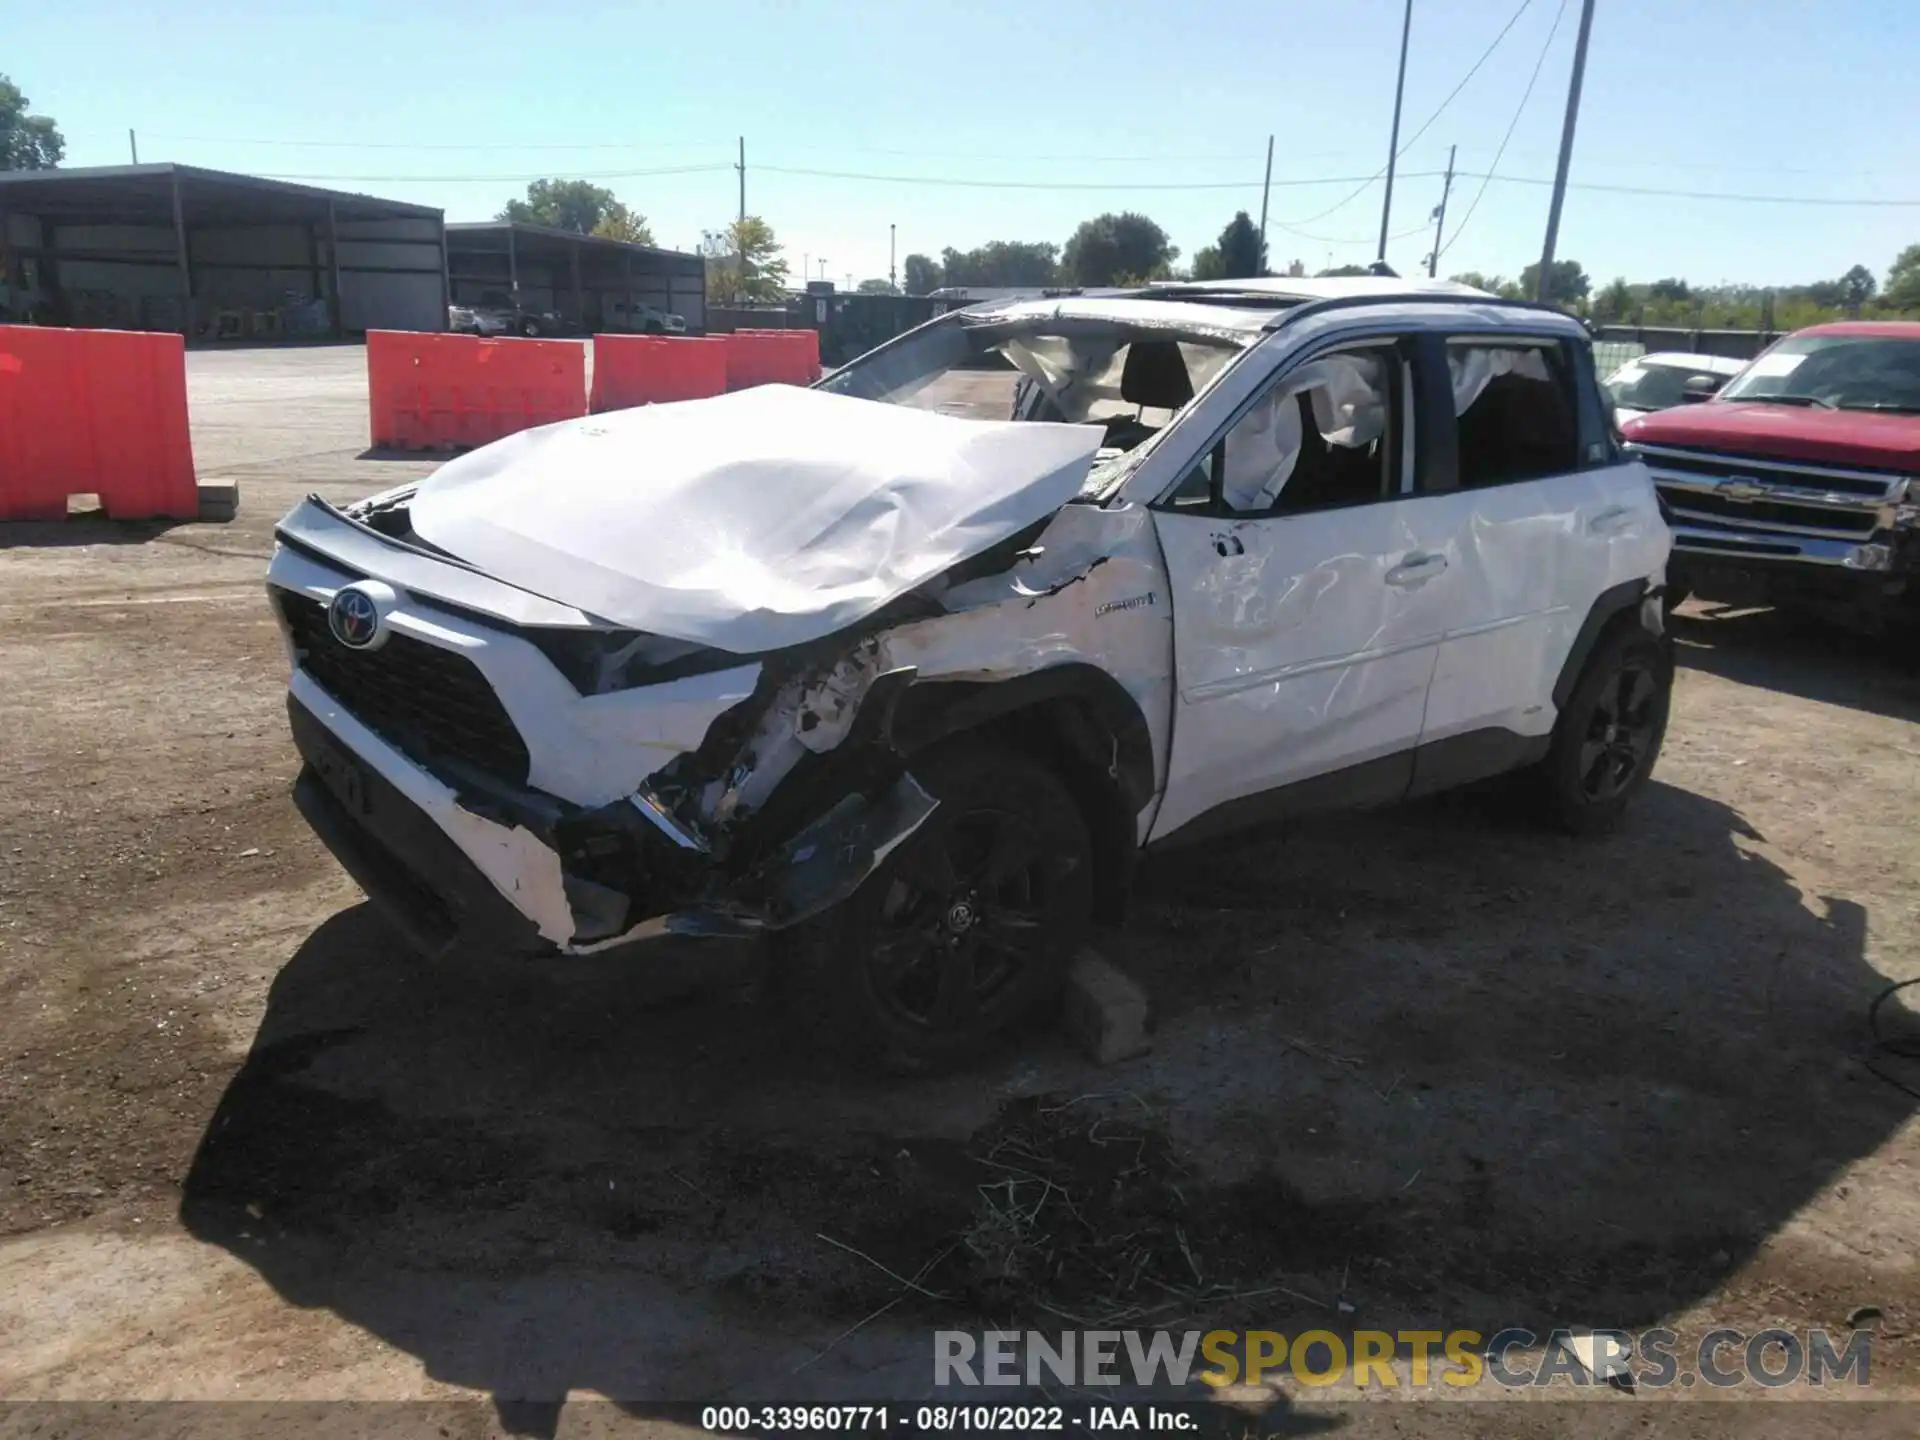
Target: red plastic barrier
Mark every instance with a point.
(449, 392)
(94, 412)
(644, 369)
(772, 357)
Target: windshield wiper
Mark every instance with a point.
(1813, 400)
(1892, 407)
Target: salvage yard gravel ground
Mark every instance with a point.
(1463, 1072)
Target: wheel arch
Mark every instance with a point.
(1075, 718)
(1614, 608)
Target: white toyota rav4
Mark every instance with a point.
(916, 689)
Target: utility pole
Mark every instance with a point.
(1566, 150)
(133, 145)
(1440, 215)
(740, 236)
(893, 280)
(1266, 186)
(1393, 146)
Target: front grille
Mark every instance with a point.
(1869, 485)
(432, 704)
(1766, 513)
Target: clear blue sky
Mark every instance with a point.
(1089, 106)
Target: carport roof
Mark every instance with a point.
(143, 194)
(534, 240)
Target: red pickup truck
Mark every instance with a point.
(1798, 484)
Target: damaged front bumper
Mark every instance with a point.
(516, 871)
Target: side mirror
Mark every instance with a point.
(1700, 387)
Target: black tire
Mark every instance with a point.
(1608, 736)
(931, 961)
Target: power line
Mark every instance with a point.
(1248, 184)
(1163, 157)
(491, 179)
(1691, 194)
(1512, 125)
(1367, 184)
(1298, 182)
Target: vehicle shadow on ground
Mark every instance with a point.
(1798, 655)
(394, 452)
(81, 529)
(1613, 1070)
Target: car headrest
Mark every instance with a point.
(1155, 374)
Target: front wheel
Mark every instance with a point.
(1609, 735)
(965, 933)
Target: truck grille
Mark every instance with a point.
(432, 704)
(1769, 514)
(1791, 499)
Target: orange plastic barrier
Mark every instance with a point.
(449, 392)
(772, 357)
(645, 369)
(94, 412)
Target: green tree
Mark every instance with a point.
(27, 142)
(1207, 264)
(1902, 290)
(579, 206)
(1613, 303)
(1492, 284)
(1343, 271)
(875, 287)
(1002, 263)
(1857, 287)
(743, 263)
(1671, 288)
(1118, 249)
(1243, 254)
(1567, 283)
(620, 223)
(922, 274)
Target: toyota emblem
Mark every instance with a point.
(354, 619)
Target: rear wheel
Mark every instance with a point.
(1608, 736)
(965, 933)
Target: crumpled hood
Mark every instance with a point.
(751, 521)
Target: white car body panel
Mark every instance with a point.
(1530, 560)
(585, 749)
(1294, 655)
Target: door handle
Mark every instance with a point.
(1416, 569)
(1614, 521)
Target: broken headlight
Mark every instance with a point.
(598, 662)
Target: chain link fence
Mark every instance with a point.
(1610, 355)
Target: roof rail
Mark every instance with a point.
(1308, 308)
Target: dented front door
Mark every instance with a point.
(1303, 647)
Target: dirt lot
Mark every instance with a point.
(1460, 1071)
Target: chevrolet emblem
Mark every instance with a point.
(1742, 488)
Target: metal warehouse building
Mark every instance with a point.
(215, 256)
(223, 257)
(595, 283)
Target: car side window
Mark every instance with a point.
(1514, 409)
(1324, 436)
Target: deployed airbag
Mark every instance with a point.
(750, 521)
